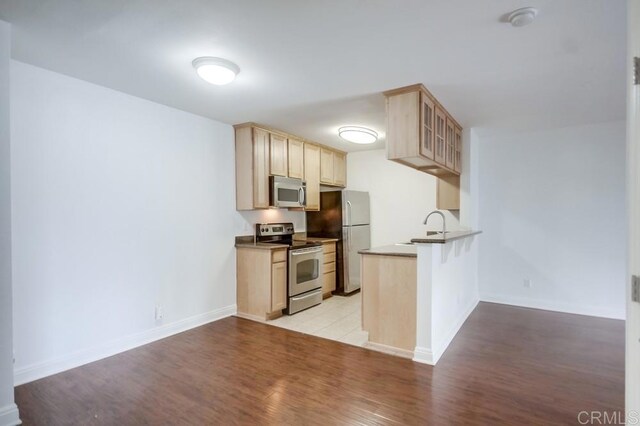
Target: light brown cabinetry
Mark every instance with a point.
(326, 166)
(448, 193)
(278, 286)
(427, 120)
(458, 149)
(278, 155)
(252, 168)
(333, 168)
(261, 282)
(329, 268)
(441, 120)
(295, 156)
(312, 176)
(423, 135)
(262, 152)
(389, 289)
(339, 169)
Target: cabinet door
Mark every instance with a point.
(329, 281)
(458, 146)
(450, 144)
(260, 169)
(278, 155)
(278, 286)
(339, 169)
(440, 153)
(326, 166)
(312, 176)
(296, 159)
(427, 119)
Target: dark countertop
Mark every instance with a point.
(450, 236)
(403, 250)
(248, 241)
(321, 240)
(263, 246)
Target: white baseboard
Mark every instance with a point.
(423, 356)
(567, 308)
(67, 362)
(432, 356)
(389, 350)
(9, 415)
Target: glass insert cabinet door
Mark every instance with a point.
(450, 142)
(427, 119)
(440, 136)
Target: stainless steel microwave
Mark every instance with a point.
(287, 192)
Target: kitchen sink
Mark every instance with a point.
(430, 233)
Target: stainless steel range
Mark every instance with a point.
(305, 260)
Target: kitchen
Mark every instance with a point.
(150, 264)
(279, 170)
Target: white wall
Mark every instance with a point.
(120, 204)
(401, 197)
(447, 293)
(8, 411)
(552, 209)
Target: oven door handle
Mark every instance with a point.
(318, 250)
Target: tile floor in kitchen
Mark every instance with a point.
(336, 318)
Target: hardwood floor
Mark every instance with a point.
(506, 366)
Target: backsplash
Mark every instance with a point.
(250, 218)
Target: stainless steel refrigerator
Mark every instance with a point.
(343, 215)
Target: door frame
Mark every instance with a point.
(632, 371)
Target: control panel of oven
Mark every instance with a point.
(264, 229)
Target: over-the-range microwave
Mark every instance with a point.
(287, 192)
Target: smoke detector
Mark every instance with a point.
(522, 17)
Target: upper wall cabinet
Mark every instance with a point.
(252, 168)
(312, 176)
(278, 148)
(423, 135)
(296, 158)
(262, 152)
(339, 169)
(420, 132)
(326, 166)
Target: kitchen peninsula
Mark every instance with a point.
(416, 296)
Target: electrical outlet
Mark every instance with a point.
(159, 313)
(527, 283)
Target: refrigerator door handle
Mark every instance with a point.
(349, 236)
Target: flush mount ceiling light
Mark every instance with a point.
(216, 71)
(357, 134)
(522, 17)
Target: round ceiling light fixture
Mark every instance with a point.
(522, 17)
(216, 71)
(357, 134)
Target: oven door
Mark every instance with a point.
(305, 270)
(286, 192)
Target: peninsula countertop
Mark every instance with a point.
(403, 250)
(437, 237)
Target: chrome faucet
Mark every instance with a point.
(444, 222)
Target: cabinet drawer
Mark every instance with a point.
(329, 248)
(329, 267)
(329, 257)
(279, 256)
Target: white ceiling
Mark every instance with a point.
(308, 67)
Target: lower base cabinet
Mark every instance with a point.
(329, 269)
(261, 282)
